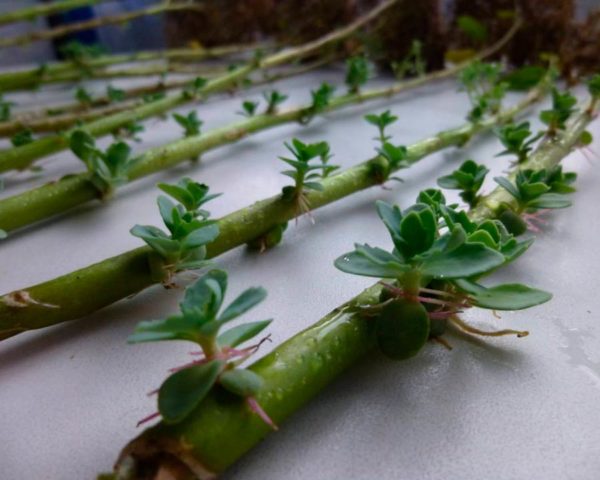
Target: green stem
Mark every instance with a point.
(70, 293)
(219, 432)
(30, 13)
(78, 70)
(70, 28)
(20, 158)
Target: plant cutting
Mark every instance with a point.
(217, 433)
(54, 198)
(217, 365)
(128, 273)
(23, 157)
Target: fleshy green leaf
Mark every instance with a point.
(508, 186)
(171, 328)
(550, 200)
(468, 260)
(183, 391)
(371, 262)
(241, 333)
(248, 299)
(201, 236)
(510, 296)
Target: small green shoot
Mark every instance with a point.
(189, 229)
(413, 64)
(190, 123)
(357, 73)
(481, 82)
(563, 106)
(273, 98)
(248, 108)
(306, 175)
(217, 365)
(108, 169)
(468, 178)
(83, 96)
(517, 139)
(381, 122)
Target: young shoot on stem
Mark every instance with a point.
(108, 169)
(189, 230)
(357, 73)
(481, 81)
(468, 178)
(563, 106)
(381, 122)
(518, 140)
(217, 365)
(273, 98)
(433, 270)
(535, 191)
(413, 64)
(306, 175)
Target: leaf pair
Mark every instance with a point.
(200, 323)
(108, 169)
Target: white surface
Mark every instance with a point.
(504, 409)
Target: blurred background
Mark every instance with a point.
(553, 25)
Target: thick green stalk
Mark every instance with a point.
(219, 432)
(30, 13)
(26, 208)
(73, 71)
(20, 158)
(70, 293)
(97, 22)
